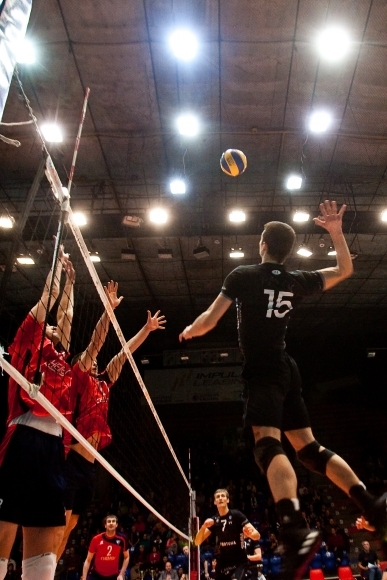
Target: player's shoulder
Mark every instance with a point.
(238, 514)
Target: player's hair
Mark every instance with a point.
(110, 516)
(220, 490)
(280, 238)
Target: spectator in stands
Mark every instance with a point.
(335, 543)
(71, 564)
(168, 573)
(171, 545)
(369, 563)
(210, 570)
(154, 557)
(11, 572)
(181, 574)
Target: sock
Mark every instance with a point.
(362, 498)
(287, 512)
(40, 567)
(3, 567)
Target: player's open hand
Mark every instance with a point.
(63, 257)
(330, 219)
(208, 523)
(155, 322)
(111, 291)
(185, 334)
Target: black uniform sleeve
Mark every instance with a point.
(308, 282)
(231, 285)
(241, 517)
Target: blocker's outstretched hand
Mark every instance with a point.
(330, 219)
(155, 322)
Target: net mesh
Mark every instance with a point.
(138, 448)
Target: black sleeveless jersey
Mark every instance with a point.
(265, 295)
(229, 532)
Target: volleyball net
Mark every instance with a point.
(68, 293)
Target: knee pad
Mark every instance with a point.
(313, 459)
(265, 450)
(3, 567)
(40, 567)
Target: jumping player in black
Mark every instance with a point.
(231, 527)
(265, 295)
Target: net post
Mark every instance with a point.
(194, 561)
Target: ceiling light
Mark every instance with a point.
(158, 215)
(128, 254)
(52, 132)
(95, 257)
(184, 44)
(303, 251)
(25, 260)
(301, 216)
(187, 125)
(333, 43)
(25, 52)
(145, 360)
(201, 252)
(6, 222)
(237, 216)
(294, 182)
(177, 186)
(371, 354)
(331, 251)
(165, 253)
(79, 218)
(132, 221)
(184, 357)
(223, 354)
(384, 215)
(236, 253)
(319, 121)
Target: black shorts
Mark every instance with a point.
(80, 476)
(273, 394)
(32, 479)
(95, 576)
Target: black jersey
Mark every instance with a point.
(229, 532)
(265, 295)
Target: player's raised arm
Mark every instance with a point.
(155, 322)
(47, 300)
(204, 531)
(207, 320)
(100, 332)
(66, 308)
(331, 220)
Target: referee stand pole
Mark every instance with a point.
(194, 567)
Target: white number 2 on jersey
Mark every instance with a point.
(109, 550)
(280, 302)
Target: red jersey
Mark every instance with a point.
(93, 405)
(56, 386)
(108, 552)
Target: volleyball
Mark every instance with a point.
(233, 162)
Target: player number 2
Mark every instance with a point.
(279, 303)
(109, 550)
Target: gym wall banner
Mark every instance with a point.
(195, 385)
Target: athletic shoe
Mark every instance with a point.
(377, 516)
(297, 548)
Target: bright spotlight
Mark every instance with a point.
(302, 251)
(79, 218)
(95, 257)
(158, 215)
(333, 43)
(25, 52)
(237, 253)
(237, 216)
(384, 215)
(52, 132)
(25, 260)
(177, 186)
(184, 44)
(301, 216)
(187, 125)
(6, 222)
(331, 251)
(294, 182)
(319, 121)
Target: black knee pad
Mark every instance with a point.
(313, 459)
(265, 450)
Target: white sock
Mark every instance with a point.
(296, 503)
(3, 567)
(40, 567)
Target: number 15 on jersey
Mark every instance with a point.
(280, 302)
